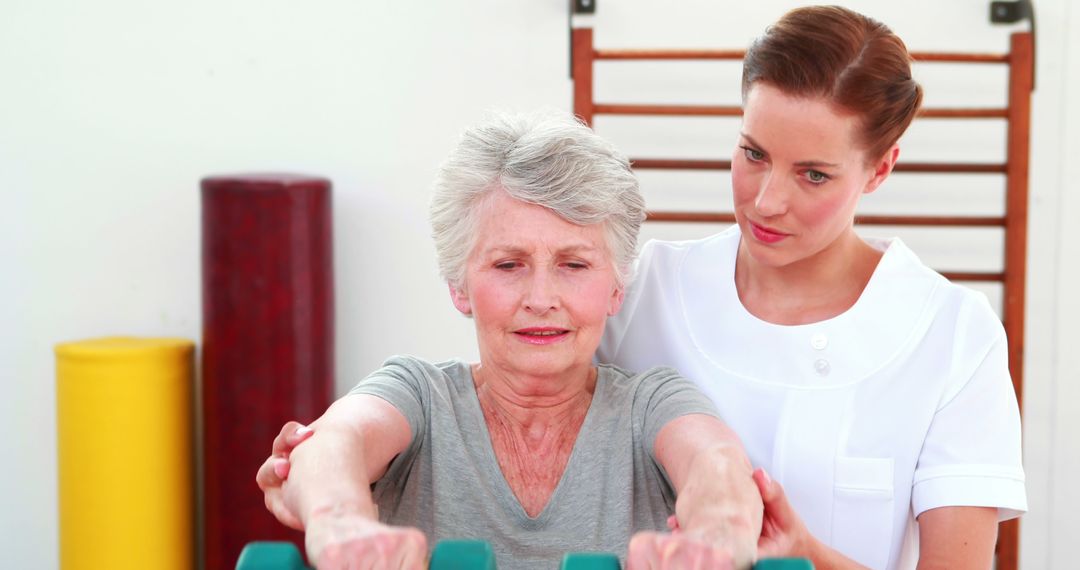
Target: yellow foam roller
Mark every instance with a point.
(125, 436)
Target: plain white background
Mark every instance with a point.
(113, 110)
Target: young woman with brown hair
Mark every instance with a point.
(876, 392)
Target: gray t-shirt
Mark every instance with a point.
(448, 482)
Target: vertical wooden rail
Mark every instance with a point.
(1021, 69)
(583, 74)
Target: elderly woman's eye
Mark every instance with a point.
(506, 265)
(577, 265)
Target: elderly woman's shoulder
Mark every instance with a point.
(419, 371)
(423, 365)
(658, 394)
(651, 378)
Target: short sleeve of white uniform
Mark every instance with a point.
(971, 454)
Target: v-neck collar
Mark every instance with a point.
(483, 452)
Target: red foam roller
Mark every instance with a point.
(268, 340)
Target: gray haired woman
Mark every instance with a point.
(534, 448)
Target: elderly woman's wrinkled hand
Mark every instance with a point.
(677, 551)
(337, 540)
(275, 470)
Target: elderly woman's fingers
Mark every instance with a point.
(414, 550)
(644, 551)
(656, 551)
(363, 545)
(407, 550)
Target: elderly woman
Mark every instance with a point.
(534, 448)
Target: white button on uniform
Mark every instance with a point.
(821, 366)
(819, 341)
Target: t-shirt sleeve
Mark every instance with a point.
(664, 395)
(403, 382)
(971, 455)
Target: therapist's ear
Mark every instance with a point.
(883, 168)
(460, 298)
(617, 297)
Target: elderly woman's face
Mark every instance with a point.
(540, 289)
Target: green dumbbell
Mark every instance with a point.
(462, 555)
(608, 561)
(448, 555)
(270, 556)
(590, 561)
(784, 564)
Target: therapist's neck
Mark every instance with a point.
(807, 290)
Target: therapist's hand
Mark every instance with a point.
(783, 533)
(275, 470)
(675, 551)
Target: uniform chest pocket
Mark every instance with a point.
(862, 524)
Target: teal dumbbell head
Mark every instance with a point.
(270, 556)
(462, 555)
(784, 564)
(590, 561)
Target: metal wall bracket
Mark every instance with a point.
(1011, 12)
(584, 6)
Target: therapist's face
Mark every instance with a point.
(797, 175)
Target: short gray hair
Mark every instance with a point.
(548, 158)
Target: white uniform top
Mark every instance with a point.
(902, 403)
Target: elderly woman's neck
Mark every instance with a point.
(533, 424)
(531, 407)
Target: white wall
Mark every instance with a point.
(111, 112)
(1064, 385)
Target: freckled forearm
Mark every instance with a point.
(957, 538)
(328, 474)
(718, 494)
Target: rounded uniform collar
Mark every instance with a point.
(891, 314)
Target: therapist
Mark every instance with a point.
(874, 393)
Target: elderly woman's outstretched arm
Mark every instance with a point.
(327, 493)
(718, 506)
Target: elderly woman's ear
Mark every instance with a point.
(617, 297)
(460, 297)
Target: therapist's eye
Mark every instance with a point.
(752, 154)
(817, 177)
